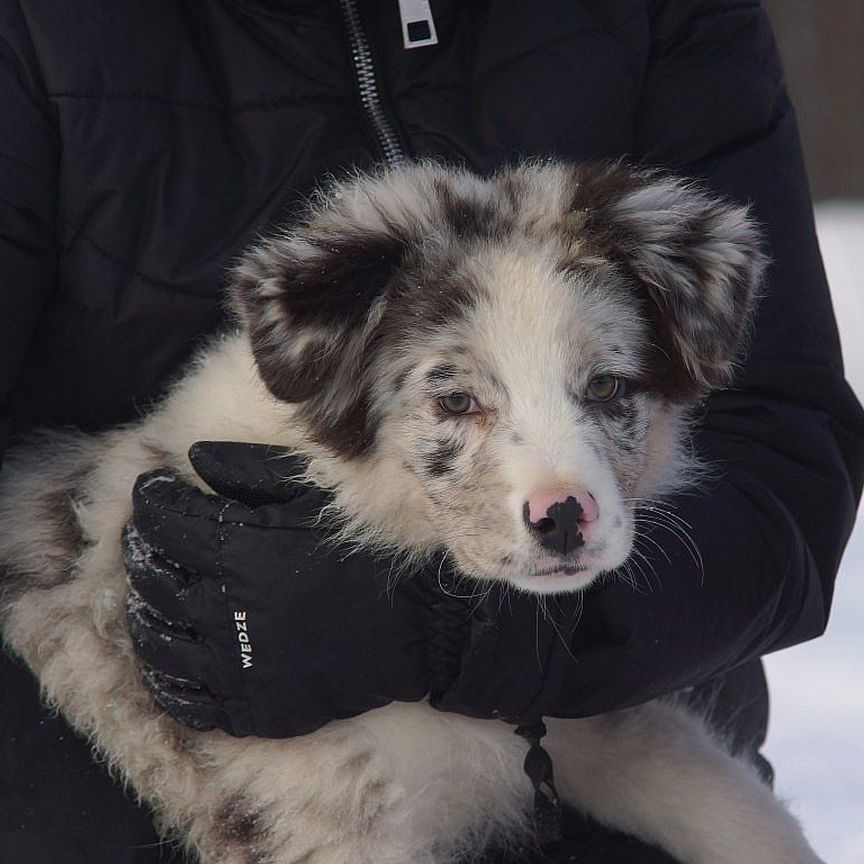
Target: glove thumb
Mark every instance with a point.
(253, 474)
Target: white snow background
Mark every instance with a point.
(816, 736)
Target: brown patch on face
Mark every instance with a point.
(349, 436)
(665, 374)
(431, 297)
(625, 424)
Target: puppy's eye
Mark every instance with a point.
(458, 403)
(603, 388)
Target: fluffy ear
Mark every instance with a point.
(310, 298)
(697, 257)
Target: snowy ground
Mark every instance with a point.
(816, 740)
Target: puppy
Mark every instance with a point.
(499, 366)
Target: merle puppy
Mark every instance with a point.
(500, 367)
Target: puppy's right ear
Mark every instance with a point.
(310, 298)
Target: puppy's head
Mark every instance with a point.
(500, 365)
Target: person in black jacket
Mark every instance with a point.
(145, 146)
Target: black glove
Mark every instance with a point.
(246, 620)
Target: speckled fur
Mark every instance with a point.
(517, 289)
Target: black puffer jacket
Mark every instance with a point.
(142, 145)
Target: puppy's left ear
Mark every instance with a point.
(700, 261)
(309, 300)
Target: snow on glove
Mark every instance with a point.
(246, 621)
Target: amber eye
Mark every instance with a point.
(458, 403)
(603, 388)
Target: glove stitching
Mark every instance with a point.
(178, 511)
(219, 518)
(182, 630)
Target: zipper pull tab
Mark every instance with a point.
(418, 25)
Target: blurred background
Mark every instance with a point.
(816, 739)
(822, 45)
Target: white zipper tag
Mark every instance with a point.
(418, 25)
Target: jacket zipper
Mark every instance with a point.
(367, 83)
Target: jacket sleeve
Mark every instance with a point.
(29, 151)
(787, 443)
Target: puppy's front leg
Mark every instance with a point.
(656, 772)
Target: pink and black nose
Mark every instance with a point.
(561, 521)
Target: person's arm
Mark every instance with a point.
(787, 441)
(28, 191)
